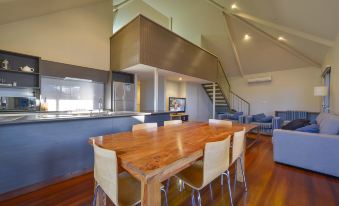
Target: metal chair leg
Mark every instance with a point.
(165, 194)
(168, 184)
(243, 174)
(95, 195)
(222, 180)
(227, 173)
(193, 198)
(235, 175)
(199, 198)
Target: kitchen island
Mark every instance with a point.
(38, 149)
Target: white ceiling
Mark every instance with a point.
(312, 22)
(147, 72)
(14, 10)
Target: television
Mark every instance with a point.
(176, 104)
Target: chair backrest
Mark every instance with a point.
(172, 122)
(216, 160)
(238, 144)
(144, 126)
(220, 122)
(106, 172)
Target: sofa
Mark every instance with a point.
(265, 127)
(237, 117)
(313, 151)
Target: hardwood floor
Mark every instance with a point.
(268, 184)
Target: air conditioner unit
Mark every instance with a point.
(259, 79)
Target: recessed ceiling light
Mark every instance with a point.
(247, 37)
(234, 6)
(280, 38)
(180, 78)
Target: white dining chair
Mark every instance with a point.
(202, 173)
(237, 152)
(219, 122)
(172, 122)
(121, 188)
(144, 126)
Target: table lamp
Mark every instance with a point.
(321, 91)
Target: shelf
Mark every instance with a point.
(17, 71)
(18, 87)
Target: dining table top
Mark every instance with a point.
(149, 152)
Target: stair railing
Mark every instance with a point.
(234, 101)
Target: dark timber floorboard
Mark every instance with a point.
(269, 183)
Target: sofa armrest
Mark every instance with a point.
(313, 151)
(248, 119)
(242, 119)
(276, 123)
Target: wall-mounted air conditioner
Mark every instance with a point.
(259, 79)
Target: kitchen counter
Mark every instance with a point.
(33, 117)
(44, 147)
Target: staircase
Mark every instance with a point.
(225, 99)
(221, 103)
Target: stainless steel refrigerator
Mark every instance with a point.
(123, 96)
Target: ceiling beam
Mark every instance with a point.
(304, 35)
(234, 47)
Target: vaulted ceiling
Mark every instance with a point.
(308, 29)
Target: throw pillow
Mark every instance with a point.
(295, 124)
(267, 119)
(330, 125)
(258, 117)
(313, 128)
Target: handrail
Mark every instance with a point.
(223, 71)
(240, 97)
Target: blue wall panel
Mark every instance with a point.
(37, 152)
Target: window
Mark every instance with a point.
(71, 95)
(327, 82)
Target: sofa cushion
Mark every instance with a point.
(266, 119)
(258, 117)
(295, 124)
(330, 125)
(313, 128)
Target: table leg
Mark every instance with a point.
(150, 192)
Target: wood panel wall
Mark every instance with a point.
(125, 46)
(143, 41)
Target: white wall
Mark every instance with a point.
(332, 59)
(131, 10)
(198, 104)
(147, 94)
(174, 89)
(78, 36)
(289, 90)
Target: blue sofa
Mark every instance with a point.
(265, 127)
(313, 151)
(237, 117)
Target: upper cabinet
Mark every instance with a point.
(19, 70)
(143, 41)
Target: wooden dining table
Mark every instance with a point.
(154, 155)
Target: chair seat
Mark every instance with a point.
(193, 175)
(129, 189)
